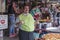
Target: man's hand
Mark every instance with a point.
(21, 22)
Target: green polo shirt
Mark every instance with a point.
(28, 22)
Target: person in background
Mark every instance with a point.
(35, 12)
(58, 15)
(37, 31)
(12, 11)
(26, 22)
(52, 11)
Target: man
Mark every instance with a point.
(26, 22)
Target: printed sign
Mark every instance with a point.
(3, 21)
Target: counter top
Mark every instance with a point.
(53, 29)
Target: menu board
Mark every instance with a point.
(2, 5)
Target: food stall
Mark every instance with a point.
(50, 32)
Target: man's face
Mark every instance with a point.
(26, 9)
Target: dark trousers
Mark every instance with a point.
(23, 35)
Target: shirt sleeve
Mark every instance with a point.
(37, 10)
(32, 12)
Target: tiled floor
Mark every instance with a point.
(7, 38)
(1, 38)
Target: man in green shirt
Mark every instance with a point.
(26, 22)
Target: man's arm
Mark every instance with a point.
(18, 21)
